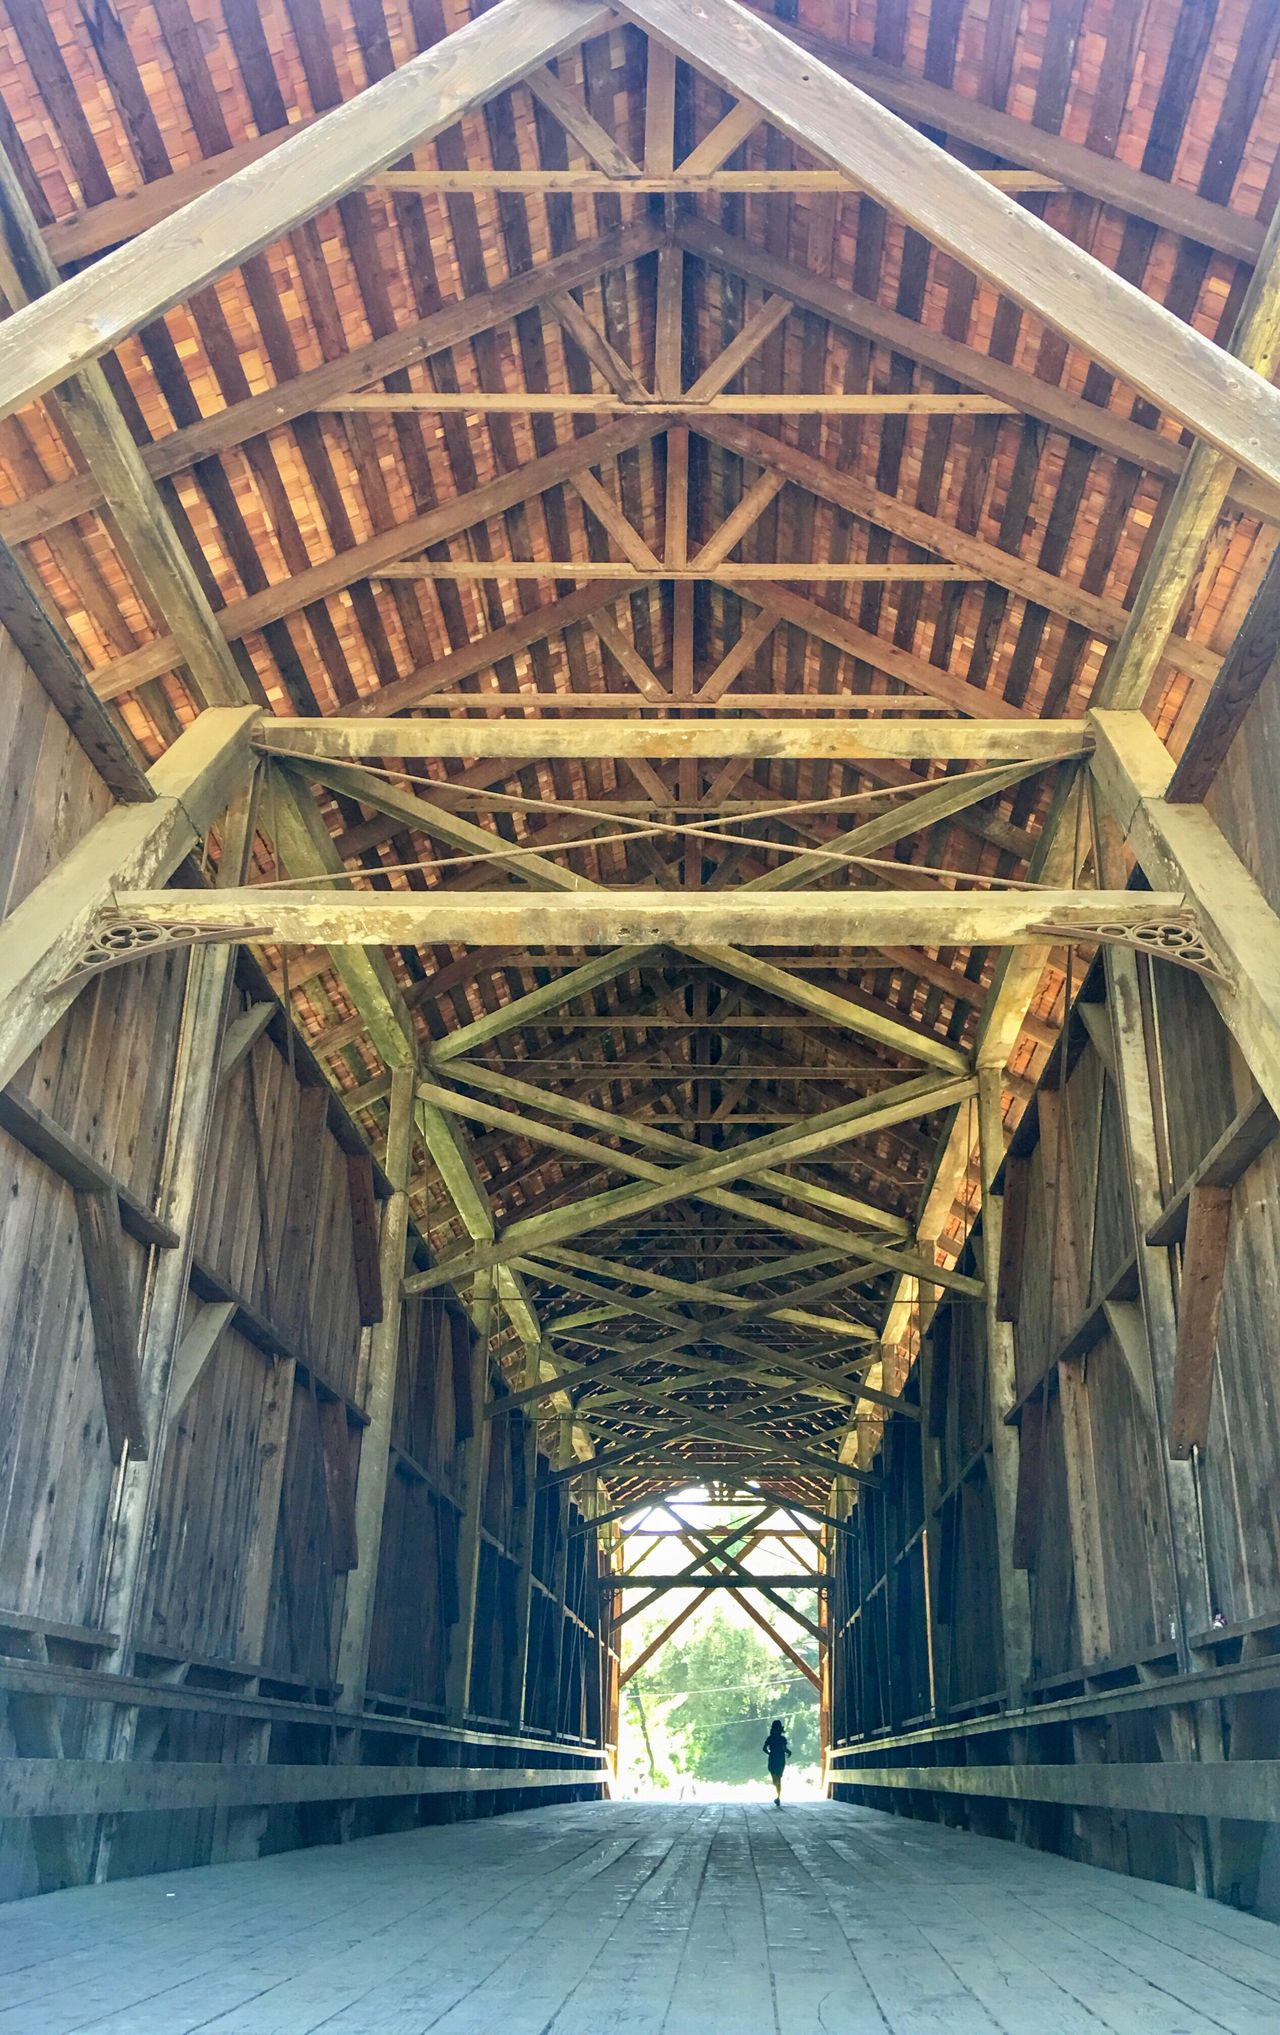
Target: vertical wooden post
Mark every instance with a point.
(195, 1081)
(560, 1570)
(524, 1589)
(289, 1295)
(1075, 1414)
(1137, 1108)
(932, 1427)
(384, 1360)
(124, 1573)
(1002, 1393)
(474, 1471)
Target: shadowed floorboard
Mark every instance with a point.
(699, 1919)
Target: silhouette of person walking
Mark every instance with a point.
(776, 1750)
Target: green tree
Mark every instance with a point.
(707, 1700)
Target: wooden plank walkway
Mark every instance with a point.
(660, 1920)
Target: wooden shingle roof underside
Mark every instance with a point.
(509, 261)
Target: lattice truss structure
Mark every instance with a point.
(704, 534)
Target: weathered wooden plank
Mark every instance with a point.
(340, 739)
(33, 1128)
(74, 1787)
(203, 1323)
(1013, 1235)
(115, 1321)
(338, 1454)
(1026, 1523)
(384, 1364)
(1248, 1788)
(1245, 1139)
(364, 1235)
(1204, 1259)
(1250, 659)
(240, 1035)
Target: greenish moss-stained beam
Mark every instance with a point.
(622, 918)
(913, 1098)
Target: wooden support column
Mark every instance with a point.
(560, 1569)
(1156, 1347)
(474, 1473)
(384, 1359)
(1183, 847)
(1002, 1393)
(1087, 1553)
(195, 1080)
(292, 1253)
(42, 939)
(524, 1587)
(1204, 1264)
(935, 1366)
(114, 1312)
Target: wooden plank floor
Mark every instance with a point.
(660, 1920)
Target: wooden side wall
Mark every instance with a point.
(241, 1595)
(1126, 1617)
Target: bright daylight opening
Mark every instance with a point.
(707, 1668)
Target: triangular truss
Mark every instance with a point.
(694, 1142)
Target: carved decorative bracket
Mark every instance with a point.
(116, 939)
(1178, 938)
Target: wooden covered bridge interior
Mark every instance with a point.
(639, 658)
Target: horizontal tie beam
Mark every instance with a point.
(705, 1582)
(340, 739)
(622, 918)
